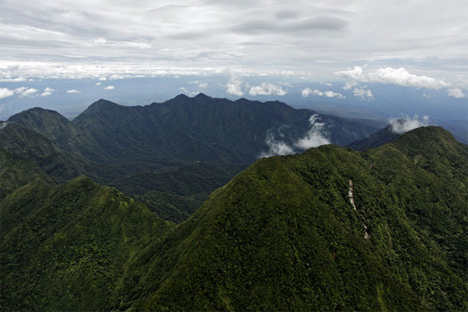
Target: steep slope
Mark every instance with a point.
(66, 247)
(330, 229)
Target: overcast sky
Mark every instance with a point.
(411, 43)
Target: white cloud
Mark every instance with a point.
(314, 137)
(73, 91)
(98, 83)
(25, 92)
(116, 77)
(397, 76)
(234, 86)
(103, 78)
(276, 147)
(18, 79)
(183, 90)
(456, 93)
(46, 93)
(363, 93)
(4, 92)
(308, 91)
(267, 89)
(109, 88)
(402, 125)
(350, 84)
(48, 89)
(201, 84)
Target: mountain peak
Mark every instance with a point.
(202, 95)
(181, 96)
(101, 105)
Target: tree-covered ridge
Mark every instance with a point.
(284, 235)
(67, 247)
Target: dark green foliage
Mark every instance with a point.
(175, 193)
(66, 247)
(283, 235)
(28, 144)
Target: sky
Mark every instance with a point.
(320, 50)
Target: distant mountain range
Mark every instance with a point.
(116, 145)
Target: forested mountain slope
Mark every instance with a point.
(330, 229)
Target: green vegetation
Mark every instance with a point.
(65, 248)
(283, 235)
(330, 229)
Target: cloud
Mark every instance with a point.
(73, 91)
(183, 90)
(402, 125)
(25, 92)
(363, 93)
(397, 76)
(234, 86)
(308, 91)
(18, 79)
(103, 79)
(109, 88)
(200, 84)
(456, 93)
(315, 136)
(267, 89)
(317, 24)
(4, 92)
(276, 147)
(47, 91)
(349, 85)
(98, 83)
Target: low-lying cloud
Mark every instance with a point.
(267, 89)
(313, 138)
(4, 93)
(402, 125)
(308, 91)
(234, 86)
(25, 92)
(363, 93)
(73, 91)
(109, 88)
(456, 93)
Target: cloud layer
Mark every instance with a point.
(61, 39)
(397, 76)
